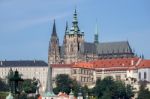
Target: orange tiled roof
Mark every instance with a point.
(109, 64)
(83, 65)
(121, 62)
(144, 64)
(116, 68)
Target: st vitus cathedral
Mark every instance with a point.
(75, 48)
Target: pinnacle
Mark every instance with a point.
(54, 29)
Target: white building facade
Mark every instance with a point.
(27, 69)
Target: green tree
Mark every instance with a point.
(108, 88)
(63, 83)
(3, 86)
(143, 93)
(119, 91)
(85, 91)
(75, 87)
(102, 85)
(29, 86)
(107, 94)
(129, 92)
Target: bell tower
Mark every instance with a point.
(73, 40)
(54, 52)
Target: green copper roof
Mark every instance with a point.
(49, 94)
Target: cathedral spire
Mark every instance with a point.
(96, 34)
(75, 26)
(75, 16)
(67, 30)
(54, 29)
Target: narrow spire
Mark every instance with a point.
(54, 29)
(96, 28)
(66, 26)
(96, 34)
(75, 15)
(66, 31)
(75, 27)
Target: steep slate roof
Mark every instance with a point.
(22, 63)
(106, 47)
(114, 47)
(89, 47)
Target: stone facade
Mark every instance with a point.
(54, 53)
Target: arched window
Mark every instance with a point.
(139, 75)
(145, 75)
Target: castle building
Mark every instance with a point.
(75, 48)
(28, 69)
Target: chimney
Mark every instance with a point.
(132, 62)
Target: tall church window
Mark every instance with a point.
(71, 48)
(145, 75)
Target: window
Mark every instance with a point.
(98, 78)
(145, 75)
(139, 75)
(82, 71)
(74, 71)
(118, 77)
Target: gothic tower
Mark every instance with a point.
(54, 52)
(73, 40)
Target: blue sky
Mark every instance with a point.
(26, 25)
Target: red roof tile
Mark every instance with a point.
(122, 62)
(83, 65)
(144, 64)
(109, 64)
